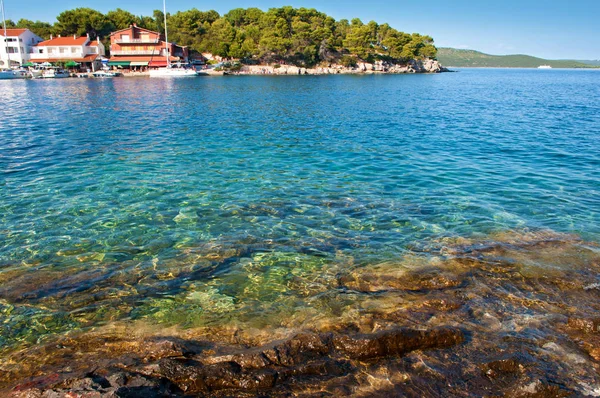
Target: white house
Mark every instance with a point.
(16, 46)
(63, 49)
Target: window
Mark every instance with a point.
(62, 50)
(73, 50)
(12, 50)
(125, 37)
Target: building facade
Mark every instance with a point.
(82, 50)
(15, 47)
(135, 47)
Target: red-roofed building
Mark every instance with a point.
(16, 46)
(137, 47)
(70, 48)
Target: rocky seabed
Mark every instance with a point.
(512, 317)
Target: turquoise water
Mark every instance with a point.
(239, 199)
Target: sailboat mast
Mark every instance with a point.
(4, 26)
(166, 34)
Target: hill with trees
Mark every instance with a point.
(590, 62)
(299, 36)
(470, 58)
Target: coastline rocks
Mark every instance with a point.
(304, 360)
(413, 66)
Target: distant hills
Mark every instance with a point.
(590, 62)
(470, 58)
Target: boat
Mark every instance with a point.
(7, 74)
(544, 67)
(103, 74)
(21, 73)
(55, 73)
(171, 70)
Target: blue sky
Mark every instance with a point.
(549, 29)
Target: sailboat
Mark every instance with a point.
(170, 70)
(10, 73)
(6, 73)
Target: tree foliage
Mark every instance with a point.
(42, 29)
(300, 36)
(82, 21)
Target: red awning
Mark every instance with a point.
(158, 63)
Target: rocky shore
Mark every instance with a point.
(516, 316)
(413, 66)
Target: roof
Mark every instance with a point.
(65, 41)
(87, 58)
(13, 32)
(135, 27)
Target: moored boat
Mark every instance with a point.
(7, 75)
(103, 74)
(55, 73)
(171, 70)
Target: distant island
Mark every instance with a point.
(470, 58)
(300, 37)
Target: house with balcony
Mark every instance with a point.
(135, 48)
(15, 47)
(87, 53)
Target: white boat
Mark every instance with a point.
(171, 70)
(37, 71)
(103, 74)
(21, 73)
(544, 67)
(55, 73)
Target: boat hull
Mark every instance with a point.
(13, 74)
(51, 74)
(173, 72)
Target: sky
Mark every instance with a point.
(544, 28)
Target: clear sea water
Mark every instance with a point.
(200, 201)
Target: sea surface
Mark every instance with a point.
(239, 200)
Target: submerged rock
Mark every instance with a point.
(509, 317)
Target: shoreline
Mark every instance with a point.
(362, 68)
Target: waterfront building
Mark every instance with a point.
(135, 48)
(16, 46)
(82, 50)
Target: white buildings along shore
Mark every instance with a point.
(21, 46)
(17, 46)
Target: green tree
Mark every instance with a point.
(9, 24)
(42, 29)
(159, 21)
(82, 21)
(301, 36)
(121, 19)
(147, 23)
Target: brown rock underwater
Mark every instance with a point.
(514, 316)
